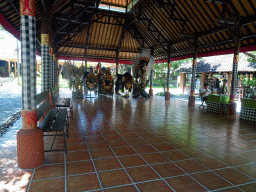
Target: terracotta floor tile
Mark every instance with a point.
(49, 171)
(124, 130)
(83, 182)
(153, 140)
(101, 153)
(234, 176)
(248, 187)
(96, 138)
(129, 135)
(185, 183)
(114, 178)
(231, 159)
(48, 185)
(113, 137)
(211, 181)
(137, 141)
(212, 163)
(51, 158)
(131, 161)
(75, 140)
(78, 156)
(59, 141)
(194, 153)
(232, 189)
(175, 155)
(144, 149)
(190, 166)
(248, 169)
(144, 173)
(163, 147)
(153, 158)
(118, 143)
(168, 170)
(128, 188)
(249, 156)
(80, 167)
(156, 186)
(122, 151)
(76, 146)
(98, 145)
(108, 131)
(107, 164)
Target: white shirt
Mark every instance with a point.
(206, 94)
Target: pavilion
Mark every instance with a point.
(115, 31)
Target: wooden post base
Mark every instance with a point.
(191, 101)
(30, 148)
(150, 92)
(167, 96)
(232, 108)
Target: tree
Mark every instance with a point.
(160, 68)
(251, 56)
(1, 30)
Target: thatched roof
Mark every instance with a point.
(222, 63)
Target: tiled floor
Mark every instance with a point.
(119, 144)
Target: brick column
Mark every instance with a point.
(30, 147)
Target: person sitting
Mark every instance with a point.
(204, 92)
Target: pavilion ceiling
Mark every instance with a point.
(104, 31)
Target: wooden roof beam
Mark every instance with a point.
(100, 48)
(243, 21)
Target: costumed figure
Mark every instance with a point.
(118, 83)
(90, 82)
(106, 82)
(142, 66)
(127, 83)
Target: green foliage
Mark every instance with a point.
(160, 68)
(251, 56)
(1, 29)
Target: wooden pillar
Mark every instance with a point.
(234, 76)
(85, 59)
(9, 68)
(45, 49)
(86, 48)
(191, 100)
(117, 57)
(168, 94)
(182, 81)
(15, 68)
(54, 69)
(151, 76)
(30, 146)
(203, 79)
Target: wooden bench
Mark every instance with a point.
(61, 102)
(52, 120)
